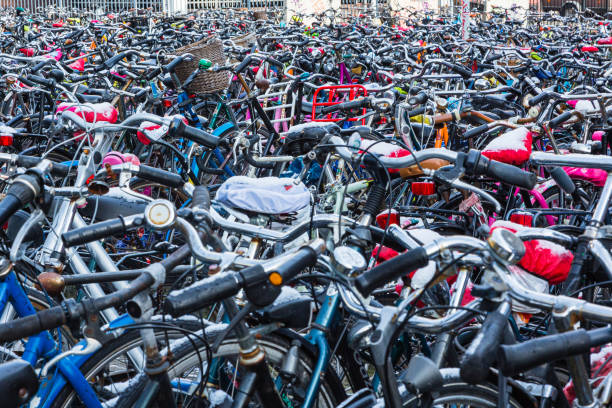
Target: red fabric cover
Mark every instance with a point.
(589, 48)
(383, 149)
(598, 358)
(78, 65)
(542, 258)
(28, 52)
(92, 112)
(605, 41)
(513, 147)
(147, 127)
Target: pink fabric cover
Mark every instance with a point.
(605, 41)
(542, 258)
(91, 112)
(512, 147)
(113, 158)
(597, 177)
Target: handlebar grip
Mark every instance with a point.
(200, 198)
(492, 58)
(275, 62)
(57, 169)
(417, 111)
(563, 180)
(40, 65)
(178, 129)
(41, 81)
(461, 70)
(30, 325)
(160, 176)
(153, 74)
(202, 293)
(418, 99)
(172, 65)
(516, 358)
(483, 350)
(478, 130)
(391, 269)
(94, 232)
(23, 190)
(111, 62)
(25, 81)
(537, 99)
(302, 259)
(559, 119)
(510, 174)
(243, 65)
(355, 104)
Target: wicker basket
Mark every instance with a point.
(210, 48)
(245, 40)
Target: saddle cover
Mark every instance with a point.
(266, 195)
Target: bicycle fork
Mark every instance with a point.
(253, 358)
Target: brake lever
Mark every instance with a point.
(16, 253)
(488, 197)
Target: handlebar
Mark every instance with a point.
(226, 284)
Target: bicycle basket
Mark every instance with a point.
(245, 40)
(210, 48)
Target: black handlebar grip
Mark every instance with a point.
(418, 99)
(172, 65)
(178, 129)
(355, 104)
(417, 111)
(510, 174)
(492, 58)
(391, 269)
(478, 130)
(483, 350)
(275, 62)
(537, 99)
(57, 169)
(111, 62)
(154, 73)
(461, 70)
(26, 81)
(202, 293)
(563, 180)
(302, 259)
(243, 65)
(30, 325)
(560, 119)
(160, 176)
(94, 232)
(41, 81)
(384, 49)
(23, 190)
(200, 198)
(9, 206)
(516, 358)
(40, 65)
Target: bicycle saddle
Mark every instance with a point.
(18, 383)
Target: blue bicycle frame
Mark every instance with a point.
(44, 346)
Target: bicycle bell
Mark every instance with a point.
(506, 245)
(160, 214)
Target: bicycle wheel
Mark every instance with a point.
(9, 351)
(185, 373)
(457, 394)
(110, 370)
